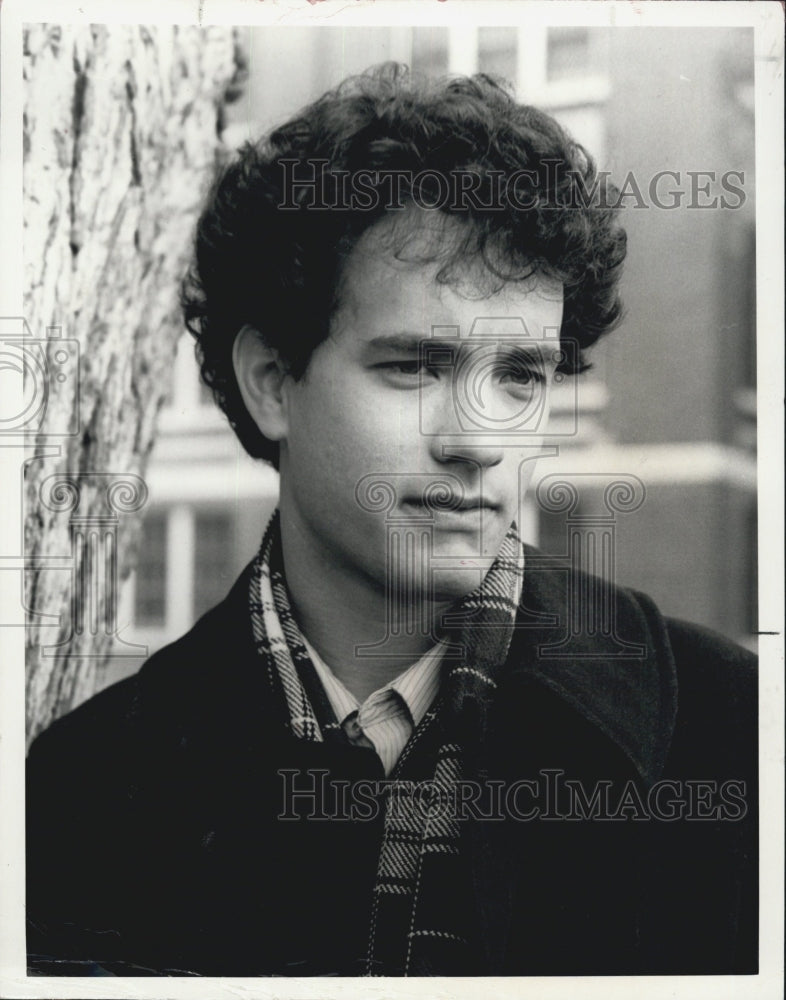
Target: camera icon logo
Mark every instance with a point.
(497, 347)
(49, 367)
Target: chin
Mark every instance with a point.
(451, 585)
(457, 551)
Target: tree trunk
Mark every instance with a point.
(120, 138)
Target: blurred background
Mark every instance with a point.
(671, 398)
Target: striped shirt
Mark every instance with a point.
(388, 717)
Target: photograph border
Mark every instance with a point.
(767, 20)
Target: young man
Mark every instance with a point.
(396, 748)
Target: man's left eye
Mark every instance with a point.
(520, 374)
(404, 369)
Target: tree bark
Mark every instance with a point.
(121, 134)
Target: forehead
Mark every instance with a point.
(391, 284)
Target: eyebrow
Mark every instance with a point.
(403, 342)
(410, 342)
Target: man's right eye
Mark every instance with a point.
(406, 367)
(408, 373)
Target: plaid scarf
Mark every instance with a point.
(422, 920)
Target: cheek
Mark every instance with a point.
(337, 423)
(375, 431)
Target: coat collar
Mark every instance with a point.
(619, 675)
(621, 679)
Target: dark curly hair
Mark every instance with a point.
(278, 268)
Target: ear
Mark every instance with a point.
(260, 375)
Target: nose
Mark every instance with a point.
(484, 453)
(450, 442)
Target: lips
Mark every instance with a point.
(452, 504)
(473, 504)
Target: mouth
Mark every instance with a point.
(470, 504)
(452, 505)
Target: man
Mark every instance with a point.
(395, 748)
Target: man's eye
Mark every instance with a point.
(406, 367)
(520, 374)
(411, 369)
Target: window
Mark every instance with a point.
(430, 51)
(565, 71)
(151, 572)
(214, 543)
(568, 53)
(497, 52)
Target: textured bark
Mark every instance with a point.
(120, 137)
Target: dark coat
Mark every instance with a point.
(154, 844)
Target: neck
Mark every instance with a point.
(340, 612)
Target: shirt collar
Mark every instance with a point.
(632, 700)
(417, 686)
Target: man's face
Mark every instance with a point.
(420, 416)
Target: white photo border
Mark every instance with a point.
(767, 20)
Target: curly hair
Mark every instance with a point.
(263, 258)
